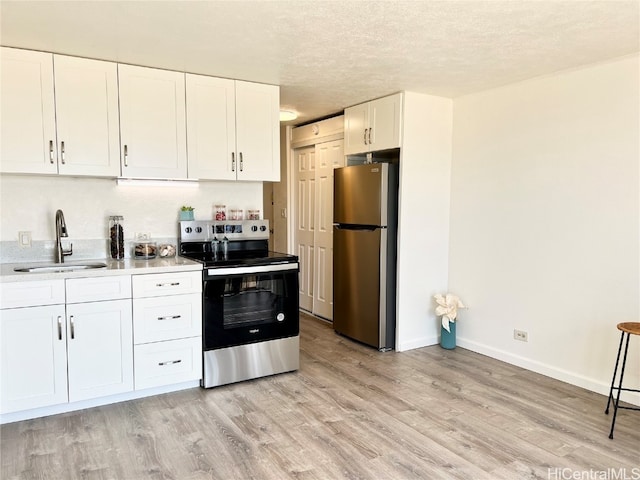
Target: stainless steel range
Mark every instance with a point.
(249, 300)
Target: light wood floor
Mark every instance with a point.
(349, 412)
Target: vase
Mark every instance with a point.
(186, 214)
(448, 339)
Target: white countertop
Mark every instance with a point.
(127, 266)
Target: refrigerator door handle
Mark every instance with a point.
(371, 228)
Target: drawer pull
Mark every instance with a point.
(173, 284)
(170, 317)
(169, 362)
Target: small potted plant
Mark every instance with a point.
(448, 306)
(186, 213)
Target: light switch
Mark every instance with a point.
(283, 212)
(24, 239)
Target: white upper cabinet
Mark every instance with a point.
(373, 126)
(87, 116)
(232, 129)
(211, 127)
(258, 131)
(152, 123)
(28, 138)
(78, 133)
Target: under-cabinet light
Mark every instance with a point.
(140, 182)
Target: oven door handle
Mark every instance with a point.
(278, 267)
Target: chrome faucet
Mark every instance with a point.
(61, 231)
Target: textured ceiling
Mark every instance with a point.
(327, 55)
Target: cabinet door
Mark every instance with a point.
(356, 125)
(384, 122)
(152, 123)
(100, 349)
(211, 128)
(33, 361)
(87, 116)
(257, 132)
(28, 141)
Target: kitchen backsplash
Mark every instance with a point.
(29, 203)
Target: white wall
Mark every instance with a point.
(545, 221)
(423, 238)
(29, 203)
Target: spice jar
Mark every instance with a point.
(116, 237)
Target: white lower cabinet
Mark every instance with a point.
(164, 363)
(75, 340)
(99, 349)
(167, 324)
(55, 354)
(33, 363)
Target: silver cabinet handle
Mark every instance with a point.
(51, 151)
(365, 136)
(370, 135)
(174, 284)
(169, 362)
(73, 327)
(233, 161)
(241, 162)
(170, 317)
(62, 152)
(126, 156)
(59, 328)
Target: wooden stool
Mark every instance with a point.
(630, 328)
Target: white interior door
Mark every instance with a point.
(329, 155)
(305, 188)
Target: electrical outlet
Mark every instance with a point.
(24, 239)
(521, 335)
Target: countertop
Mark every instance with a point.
(128, 266)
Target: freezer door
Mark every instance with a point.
(356, 284)
(360, 194)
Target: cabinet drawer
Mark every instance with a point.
(31, 294)
(95, 289)
(161, 284)
(167, 318)
(165, 363)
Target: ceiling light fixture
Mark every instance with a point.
(140, 182)
(287, 116)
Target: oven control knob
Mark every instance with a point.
(188, 230)
(199, 229)
(280, 317)
(254, 229)
(263, 228)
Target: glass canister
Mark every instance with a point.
(116, 237)
(236, 214)
(220, 212)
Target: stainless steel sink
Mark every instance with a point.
(59, 267)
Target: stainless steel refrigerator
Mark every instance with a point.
(365, 216)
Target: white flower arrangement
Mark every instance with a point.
(448, 306)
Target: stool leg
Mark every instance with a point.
(615, 371)
(617, 402)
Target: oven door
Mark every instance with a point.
(244, 305)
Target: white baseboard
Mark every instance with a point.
(547, 370)
(417, 343)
